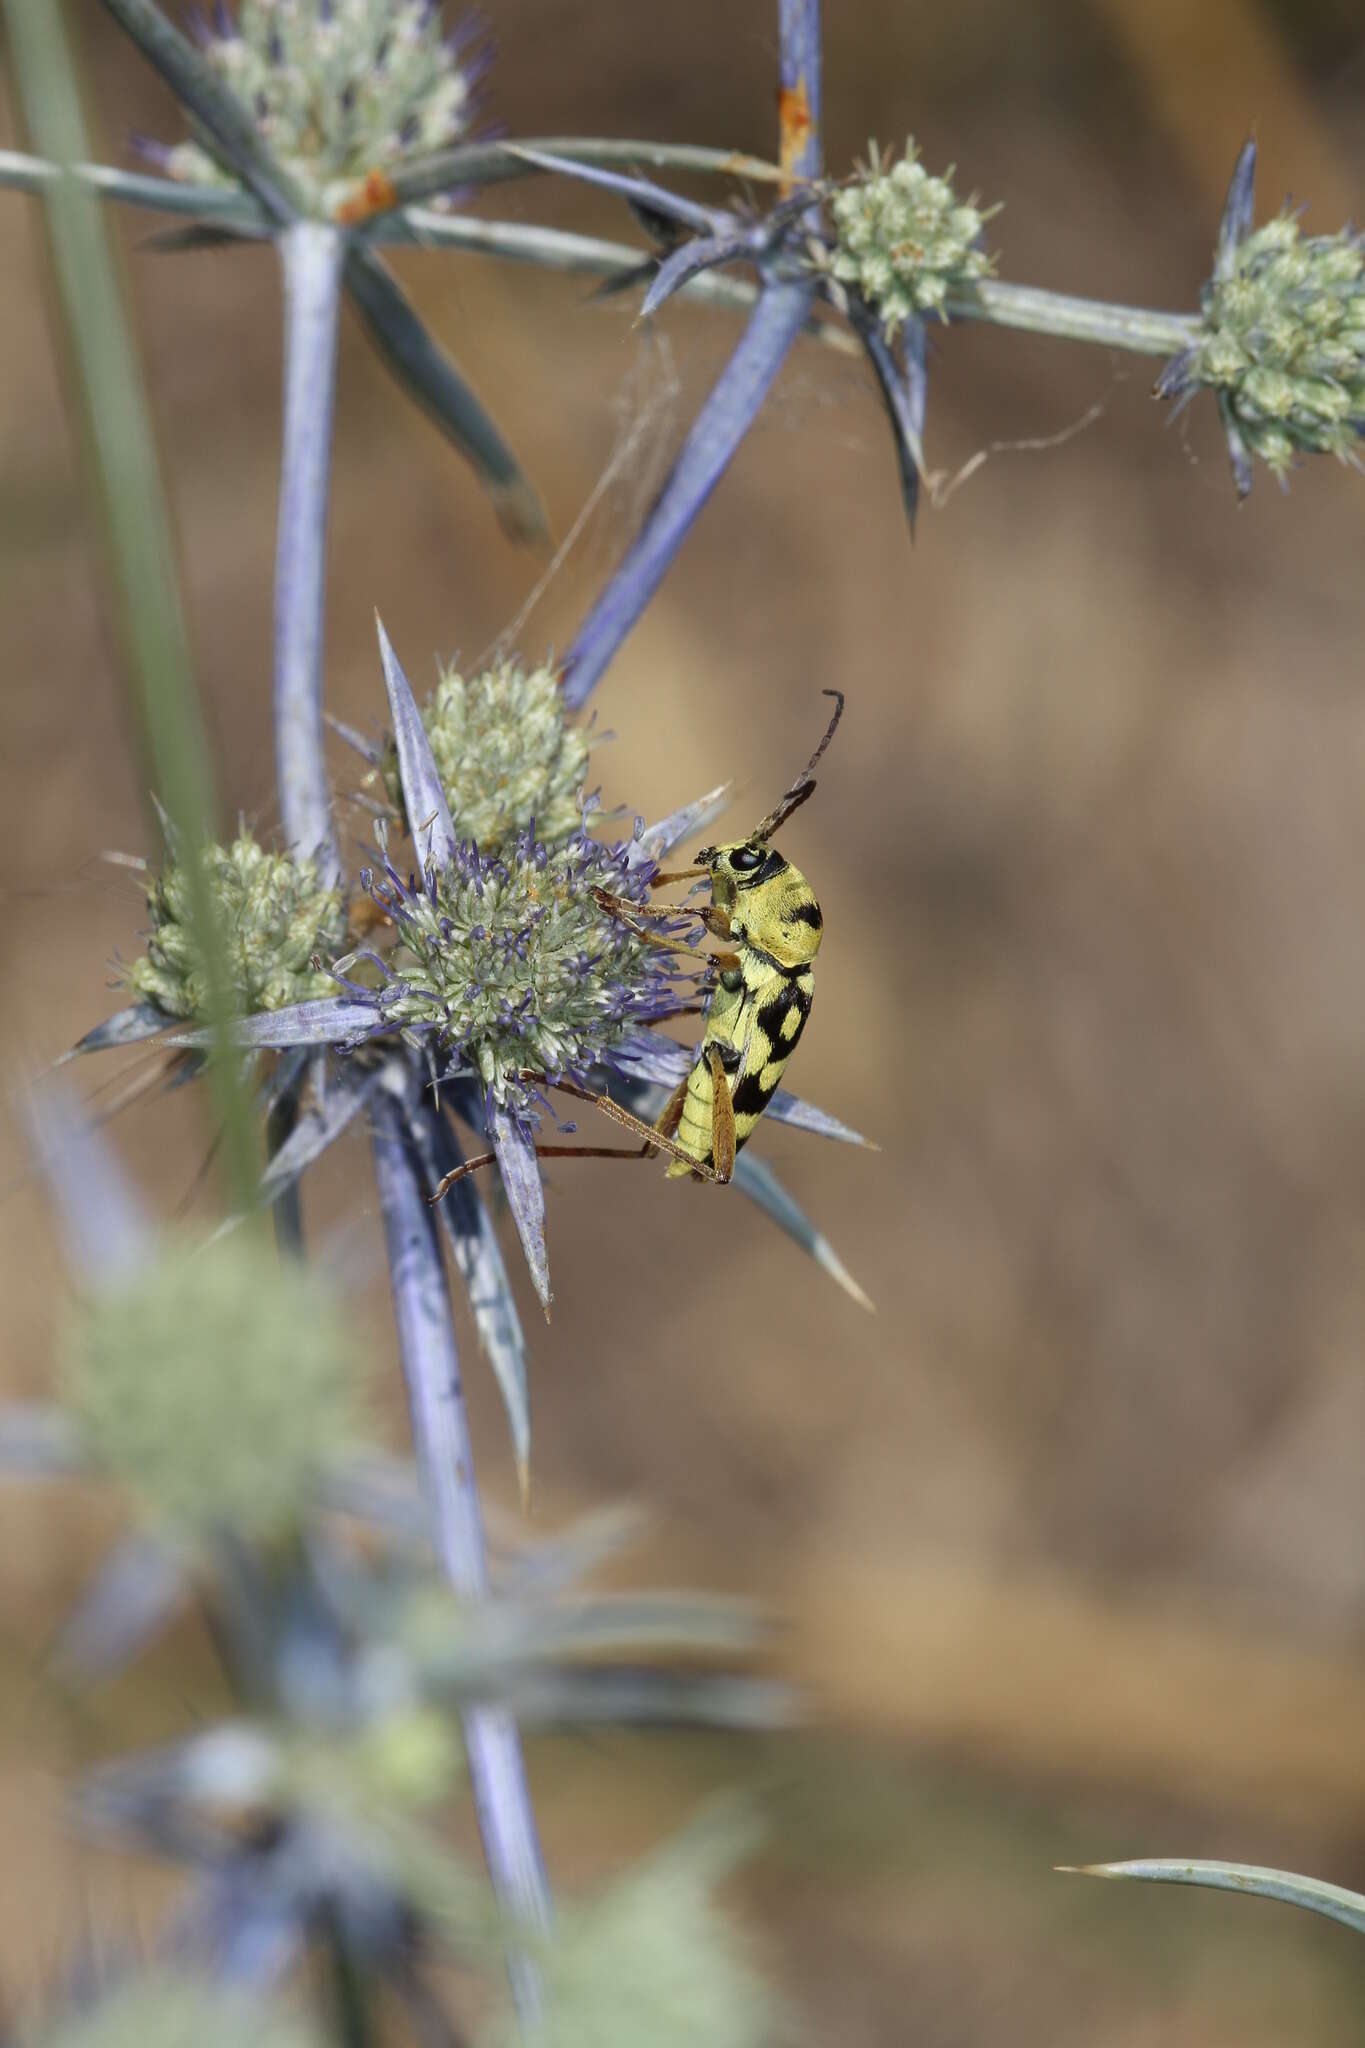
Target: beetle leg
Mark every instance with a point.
(661, 881)
(629, 914)
(722, 1118)
(658, 1138)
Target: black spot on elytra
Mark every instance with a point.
(751, 1097)
(773, 1014)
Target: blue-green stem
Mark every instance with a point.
(1064, 318)
(312, 255)
(440, 1430)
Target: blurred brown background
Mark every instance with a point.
(1071, 1535)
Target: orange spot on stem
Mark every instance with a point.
(794, 122)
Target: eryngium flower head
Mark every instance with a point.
(338, 88)
(166, 2010)
(510, 966)
(216, 1383)
(904, 240)
(508, 759)
(1282, 343)
(275, 916)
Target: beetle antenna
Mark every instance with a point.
(804, 785)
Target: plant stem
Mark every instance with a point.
(582, 256)
(431, 1368)
(312, 255)
(24, 173)
(1031, 308)
(799, 92)
(1069, 319)
(286, 1212)
(726, 416)
(491, 163)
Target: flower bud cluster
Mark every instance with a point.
(904, 241)
(508, 759)
(1282, 341)
(512, 968)
(338, 88)
(275, 916)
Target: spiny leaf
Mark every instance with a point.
(1253, 1879)
(429, 376)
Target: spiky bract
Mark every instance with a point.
(904, 240)
(508, 758)
(216, 1384)
(275, 917)
(1282, 342)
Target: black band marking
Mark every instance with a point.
(751, 1098)
(773, 1014)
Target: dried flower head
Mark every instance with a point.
(904, 240)
(508, 758)
(1282, 343)
(512, 969)
(275, 914)
(216, 1383)
(338, 88)
(165, 2010)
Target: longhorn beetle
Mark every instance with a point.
(766, 910)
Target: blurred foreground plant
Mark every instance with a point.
(464, 979)
(308, 1818)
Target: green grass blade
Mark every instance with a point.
(123, 461)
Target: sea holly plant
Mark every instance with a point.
(468, 981)
(216, 1386)
(385, 1073)
(894, 248)
(503, 971)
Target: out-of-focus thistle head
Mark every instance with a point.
(276, 917)
(904, 241)
(339, 88)
(658, 1958)
(508, 758)
(165, 2009)
(510, 968)
(217, 1383)
(1281, 338)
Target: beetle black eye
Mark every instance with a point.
(745, 859)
